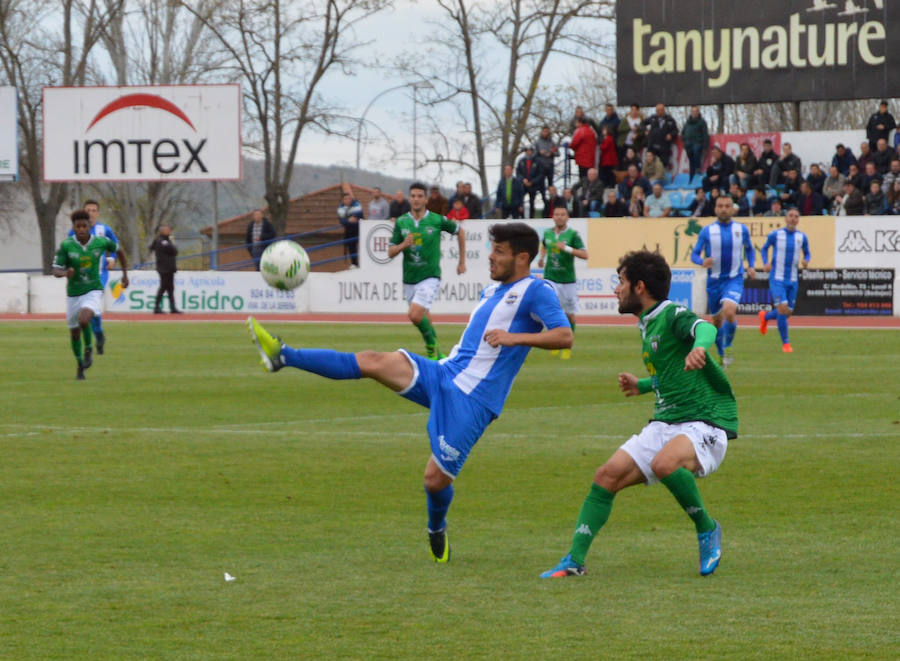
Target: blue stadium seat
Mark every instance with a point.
(594, 214)
(676, 201)
(680, 181)
(697, 181)
(689, 200)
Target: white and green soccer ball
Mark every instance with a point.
(284, 265)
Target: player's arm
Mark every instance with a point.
(59, 265)
(699, 248)
(806, 254)
(399, 243)
(461, 242)
(764, 252)
(633, 386)
(750, 252)
(543, 257)
(123, 261)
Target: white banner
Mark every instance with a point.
(155, 133)
(9, 152)
(205, 292)
(867, 242)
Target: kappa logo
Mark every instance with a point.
(512, 298)
(887, 241)
(692, 510)
(583, 529)
(709, 440)
(855, 242)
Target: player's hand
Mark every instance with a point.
(709, 262)
(751, 272)
(124, 281)
(70, 272)
(461, 267)
(767, 268)
(695, 360)
(628, 383)
(805, 263)
(499, 338)
(541, 263)
(560, 245)
(110, 262)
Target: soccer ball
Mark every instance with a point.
(284, 265)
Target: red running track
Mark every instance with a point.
(623, 320)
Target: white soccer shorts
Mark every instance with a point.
(93, 300)
(710, 444)
(568, 296)
(422, 293)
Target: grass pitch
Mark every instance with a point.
(127, 497)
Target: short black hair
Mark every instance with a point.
(418, 185)
(520, 236)
(80, 214)
(650, 268)
(87, 202)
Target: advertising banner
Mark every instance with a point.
(866, 241)
(682, 52)
(155, 133)
(846, 292)
(9, 150)
(204, 292)
(675, 238)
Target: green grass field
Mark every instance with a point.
(127, 497)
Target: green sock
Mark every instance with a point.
(683, 486)
(428, 332)
(76, 347)
(594, 513)
(572, 322)
(86, 332)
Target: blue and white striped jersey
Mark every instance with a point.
(101, 230)
(787, 245)
(484, 372)
(725, 243)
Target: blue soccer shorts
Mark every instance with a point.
(456, 421)
(727, 289)
(783, 292)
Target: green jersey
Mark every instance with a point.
(423, 258)
(560, 266)
(668, 332)
(85, 259)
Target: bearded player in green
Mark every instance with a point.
(560, 245)
(417, 234)
(694, 417)
(78, 259)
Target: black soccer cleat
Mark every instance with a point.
(79, 375)
(101, 340)
(88, 357)
(439, 545)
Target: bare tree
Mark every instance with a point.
(47, 42)
(282, 51)
(515, 38)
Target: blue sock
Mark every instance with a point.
(730, 329)
(97, 324)
(783, 328)
(324, 362)
(438, 504)
(772, 314)
(720, 340)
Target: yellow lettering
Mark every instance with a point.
(739, 36)
(663, 60)
(827, 56)
(870, 30)
(723, 62)
(775, 55)
(690, 38)
(639, 31)
(845, 32)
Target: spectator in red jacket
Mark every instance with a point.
(458, 211)
(584, 144)
(609, 158)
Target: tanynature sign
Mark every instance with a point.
(684, 52)
(157, 133)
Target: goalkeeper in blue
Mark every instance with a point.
(720, 248)
(465, 391)
(787, 244)
(694, 417)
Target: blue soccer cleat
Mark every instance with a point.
(710, 549)
(566, 567)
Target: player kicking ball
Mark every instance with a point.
(560, 246)
(787, 244)
(694, 416)
(466, 391)
(78, 259)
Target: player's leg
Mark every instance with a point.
(714, 302)
(170, 290)
(97, 319)
(729, 328)
(85, 319)
(694, 449)
(620, 471)
(421, 297)
(439, 495)
(785, 308)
